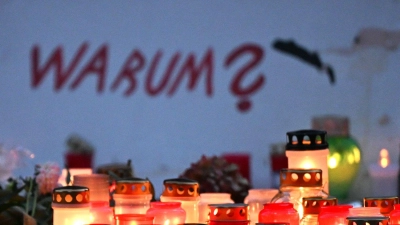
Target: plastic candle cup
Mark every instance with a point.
(211, 198)
(312, 206)
(334, 215)
(307, 149)
(133, 219)
(279, 213)
(365, 211)
(229, 214)
(186, 192)
(395, 214)
(367, 220)
(386, 204)
(384, 175)
(132, 196)
(256, 200)
(100, 210)
(71, 205)
(166, 213)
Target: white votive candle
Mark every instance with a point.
(384, 176)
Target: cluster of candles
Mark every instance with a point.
(302, 198)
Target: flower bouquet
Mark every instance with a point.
(216, 175)
(27, 201)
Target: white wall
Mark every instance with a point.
(164, 134)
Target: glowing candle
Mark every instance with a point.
(308, 149)
(394, 215)
(367, 220)
(279, 212)
(166, 213)
(334, 214)
(386, 204)
(312, 207)
(71, 205)
(133, 219)
(256, 200)
(211, 198)
(384, 175)
(186, 192)
(229, 214)
(132, 196)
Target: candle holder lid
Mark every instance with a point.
(229, 212)
(133, 186)
(385, 203)
(301, 177)
(181, 187)
(71, 195)
(364, 220)
(312, 205)
(301, 140)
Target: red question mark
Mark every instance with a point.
(236, 88)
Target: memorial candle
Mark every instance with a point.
(384, 175)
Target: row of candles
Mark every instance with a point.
(301, 199)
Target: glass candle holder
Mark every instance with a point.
(186, 192)
(98, 184)
(312, 206)
(256, 200)
(225, 214)
(133, 219)
(297, 184)
(166, 213)
(71, 205)
(308, 149)
(279, 213)
(366, 220)
(334, 215)
(386, 204)
(211, 198)
(132, 196)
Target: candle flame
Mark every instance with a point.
(384, 158)
(307, 165)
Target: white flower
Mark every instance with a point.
(47, 179)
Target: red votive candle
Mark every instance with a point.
(334, 214)
(129, 219)
(166, 213)
(229, 214)
(279, 213)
